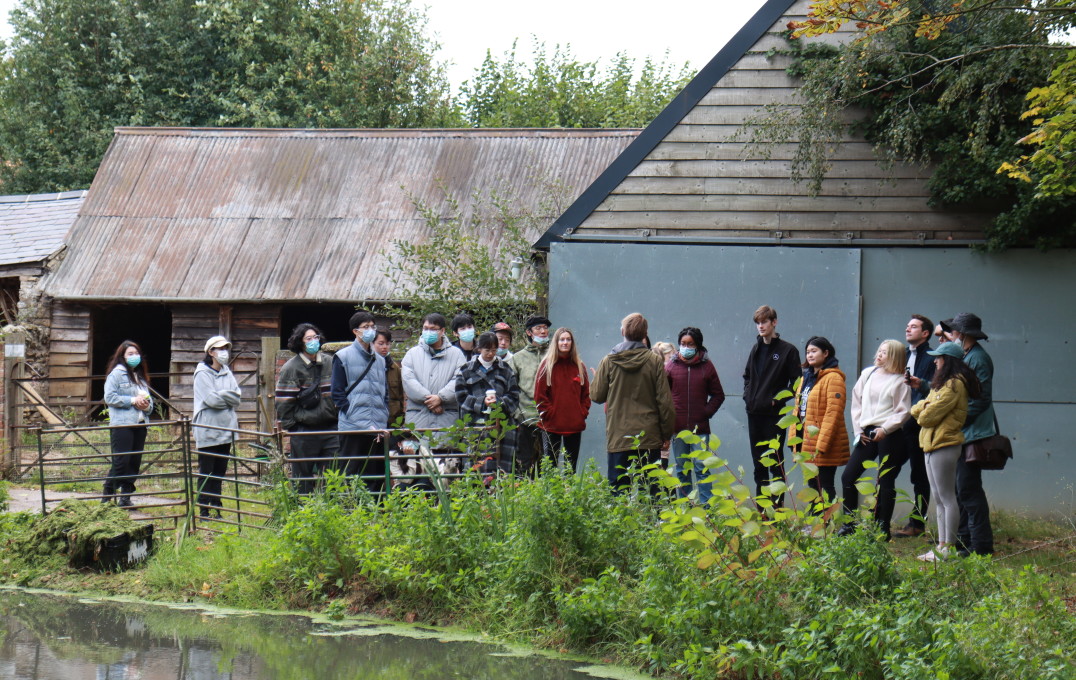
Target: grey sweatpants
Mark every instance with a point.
(941, 471)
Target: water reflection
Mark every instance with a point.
(45, 637)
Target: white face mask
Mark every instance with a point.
(222, 356)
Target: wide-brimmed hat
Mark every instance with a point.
(216, 341)
(968, 324)
(948, 349)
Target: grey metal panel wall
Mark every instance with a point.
(717, 288)
(1019, 295)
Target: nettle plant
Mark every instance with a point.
(750, 536)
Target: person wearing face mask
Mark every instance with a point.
(562, 396)
(482, 382)
(360, 391)
(129, 405)
(697, 395)
(429, 381)
(504, 340)
(216, 394)
(464, 330)
(525, 365)
(304, 404)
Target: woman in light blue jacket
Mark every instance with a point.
(216, 394)
(129, 404)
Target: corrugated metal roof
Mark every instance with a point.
(272, 215)
(33, 227)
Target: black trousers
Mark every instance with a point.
(528, 448)
(362, 455)
(917, 467)
(975, 533)
(554, 443)
(318, 450)
(128, 444)
(763, 428)
(620, 461)
(891, 451)
(212, 467)
(824, 483)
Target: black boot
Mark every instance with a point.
(124, 501)
(107, 495)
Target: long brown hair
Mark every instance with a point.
(140, 374)
(552, 355)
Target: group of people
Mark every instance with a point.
(914, 405)
(361, 392)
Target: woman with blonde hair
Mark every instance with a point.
(562, 395)
(881, 402)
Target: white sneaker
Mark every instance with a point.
(935, 554)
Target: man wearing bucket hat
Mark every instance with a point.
(975, 534)
(524, 364)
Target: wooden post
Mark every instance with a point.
(14, 358)
(267, 383)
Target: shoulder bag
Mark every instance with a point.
(991, 453)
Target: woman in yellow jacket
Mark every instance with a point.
(941, 416)
(820, 402)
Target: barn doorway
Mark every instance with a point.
(148, 325)
(331, 317)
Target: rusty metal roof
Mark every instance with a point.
(181, 214)
(33, 227)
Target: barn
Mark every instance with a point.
(685, 229)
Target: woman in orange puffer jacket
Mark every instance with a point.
(820, 401)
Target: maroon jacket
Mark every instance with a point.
(564, 405)
(696, 392)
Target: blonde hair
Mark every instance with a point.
(663, 350)
(895, 357)
(552, 355)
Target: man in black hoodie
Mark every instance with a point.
(772, 366)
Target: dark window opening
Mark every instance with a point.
(331, 317)
(9, 299)
(148, 325)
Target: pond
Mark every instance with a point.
(48, 636)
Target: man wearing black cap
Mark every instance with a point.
(975, 534)
(525, 365)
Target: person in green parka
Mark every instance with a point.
(639, 414)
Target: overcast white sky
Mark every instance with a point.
(691, 30)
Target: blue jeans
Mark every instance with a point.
(685, 466)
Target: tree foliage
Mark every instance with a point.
(558, 90)
(75, 69)
(949, 84)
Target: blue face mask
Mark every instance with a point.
(430, 337)
(540, 341)
(369, 335)
(467, 335)
(134, 360)
(313, 346)
(501, 351)
(687, 352)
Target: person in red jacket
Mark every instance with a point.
(696, 394)
(562, 395)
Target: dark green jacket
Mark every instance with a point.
(980, 421)
(632, 383)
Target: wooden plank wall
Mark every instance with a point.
(70, 349)
(697, 181)
(244, 325)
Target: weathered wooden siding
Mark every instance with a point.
(697, 182)
(70, 349)
(244, 325)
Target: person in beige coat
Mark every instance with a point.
(941, 416)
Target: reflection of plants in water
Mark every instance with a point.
(283, 645)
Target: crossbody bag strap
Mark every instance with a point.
(355, 384)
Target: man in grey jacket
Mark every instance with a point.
(360, 392)
(429, 379)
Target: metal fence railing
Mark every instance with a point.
(217, 491)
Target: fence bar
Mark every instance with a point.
(41, 469)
